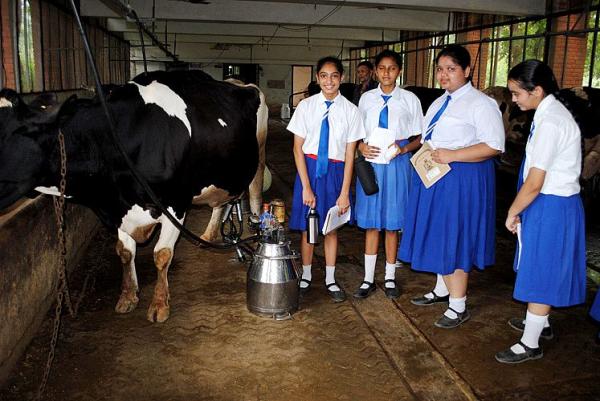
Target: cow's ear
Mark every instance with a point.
(52, 115)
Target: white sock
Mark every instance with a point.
(546, 323)
(370, 261)
(458, 304)
(534, 324)
(440, 288)
(390, 274)
(330, 278)
(306, 274)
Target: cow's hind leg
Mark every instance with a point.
(163, 254)
(126, 248)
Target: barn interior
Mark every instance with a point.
(212, 347)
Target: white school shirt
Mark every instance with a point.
(470, 118)
(555, 147)
(405, 116)
(345, 124)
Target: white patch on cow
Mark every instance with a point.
(50, 191)
(223, 123)
(4, 102)
(168, 232)
(136, 217)
(164, 97)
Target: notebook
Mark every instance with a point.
(335, 220)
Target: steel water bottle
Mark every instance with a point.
(312, 226)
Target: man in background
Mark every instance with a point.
(364, 73)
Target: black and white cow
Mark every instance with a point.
(187, 134)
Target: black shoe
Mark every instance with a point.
(530, 354)
(424, 301)
(446, 323)
(519, 325)
(365, 292)
(304, 290)
(337, 296)
(392, 292)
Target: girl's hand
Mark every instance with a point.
(343, 203)
(308, 197)
(369, 152)
(512, 222)
(397, 151)
(443, 156)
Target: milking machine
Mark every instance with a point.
(273, 275)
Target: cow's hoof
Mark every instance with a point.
(126, 303)
(158, 313)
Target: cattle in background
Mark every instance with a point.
(426, 95)
(183, 131)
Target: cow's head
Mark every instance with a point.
(24, 132)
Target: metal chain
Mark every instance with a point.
(62, 287)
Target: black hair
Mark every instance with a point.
(331, 60)
(457, 53)
(366, 63)
(532, 73)
(389, 54)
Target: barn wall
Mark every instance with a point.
(29, 263)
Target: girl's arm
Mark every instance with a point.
(308, 197)
(343, 201)
(473, 153)
(528, 192)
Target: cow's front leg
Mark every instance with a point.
(163, 254)
(126, 248)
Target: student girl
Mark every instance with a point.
(386, 108)
(550, 262)
(449, 227)
(326, 127)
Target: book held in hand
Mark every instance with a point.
(334, 219)
(429, 171)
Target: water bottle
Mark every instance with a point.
(312, 226)
(265, 217)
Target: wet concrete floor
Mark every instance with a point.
(212, 348)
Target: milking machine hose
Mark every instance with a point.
(190, 236)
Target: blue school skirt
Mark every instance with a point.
(451, 225)
(385, 209)
(327, 190)
(595, 311)
(551, 267)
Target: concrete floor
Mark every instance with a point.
(212, 348)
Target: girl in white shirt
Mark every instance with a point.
(450, 226)
(326, 127)
(547, 212)
(387, 111)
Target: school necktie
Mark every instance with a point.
(435, 118)
(521, 170)
(322, 154)
(383, 115)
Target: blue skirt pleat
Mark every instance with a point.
(451, 225)
(595, 311)
(552, 268)
(385, 210)
(327, 190)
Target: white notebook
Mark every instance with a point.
(335, 220)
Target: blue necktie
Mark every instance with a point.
(383, 115)
(322, 154)
(436, 118)
(521, 170)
